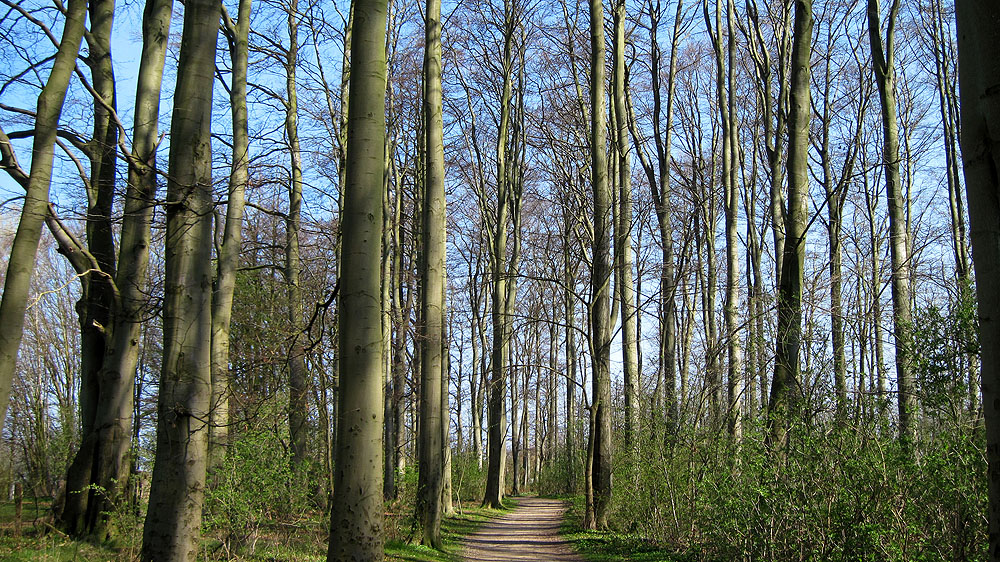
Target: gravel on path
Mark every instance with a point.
(529, 532)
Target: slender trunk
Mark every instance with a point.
(298, 392)
(786, 392)
(447, 505)
(883, 60)
(623, 241)
(105, 394)
(237, 34)
(432, 374)
(498, 268)
(114, 423)
(21, 262)
(600, 278)
(569, 305)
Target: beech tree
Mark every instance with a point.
(883, 63)
(433, 374)
(979, 71)
(786, 391)
(36, 203)
(600, 449)
(173, 519)
(98, 472)
(356, 517)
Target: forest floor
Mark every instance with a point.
(529, 532)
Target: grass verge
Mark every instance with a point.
(453, 530)
(609, 546)
(40, 542)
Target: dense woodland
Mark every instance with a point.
(707, 263)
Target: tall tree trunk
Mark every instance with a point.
(623, 240)
(498, 269)
(99, 388)
(298, 377)
(786, 392)
(730, 207)
(515, 429)
(356, 518)
(883, 60)
(21, 262)
(979, 73)
(432, 375)
(603, 449)
(113, 423)
(569, 305)
(237, 34)
(173, 520)
(447, 505)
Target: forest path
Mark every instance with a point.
(529, 532)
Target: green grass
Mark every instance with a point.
(51, 547)
(608, 546)
(453, 530)
(30, 510)
(305, 543)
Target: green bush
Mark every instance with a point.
(252, 487)
(850, 494)
(468, 479)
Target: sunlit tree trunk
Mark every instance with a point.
(237, 33)
(298, 376)
(979, 72)
(786, 392)
(431, 458)
(600, 327)
(113, 423)
(503, 285)
(883, 60)
(731, 209)
(623, 239)
(104, 414)
(173, 520)
(21, 261)
(356, 518)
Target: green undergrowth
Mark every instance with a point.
(609, 546)
(300, 540)
(469, 516)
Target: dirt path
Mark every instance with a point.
(530, 532)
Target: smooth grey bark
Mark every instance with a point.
(21, 262)
(298, 376)
(600, 328)
(730, 206)
(883, 61)
(623, 239)
(570, 266)
(113, 418)
(356, 517)
(431, 457)
(979, 73)
(503, 288)
(173, 519)
(775, 108)
(100, 389)
(786, 391)
(447, 503)
(228, 251)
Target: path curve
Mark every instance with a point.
(529, 532)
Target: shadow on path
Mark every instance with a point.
(530, 532)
